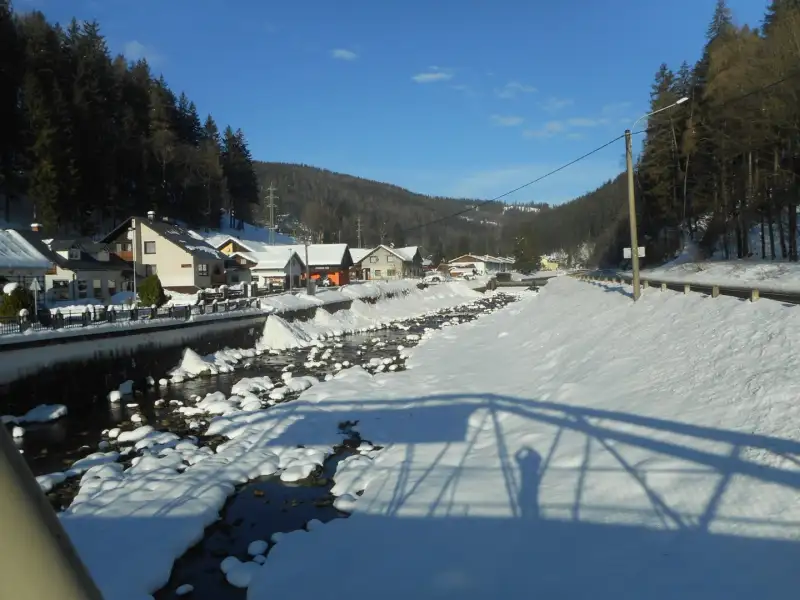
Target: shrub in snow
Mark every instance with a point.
(151, 293)
(19, 299)
(23, 313)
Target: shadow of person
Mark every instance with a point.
(529, 463)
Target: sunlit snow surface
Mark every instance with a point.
(573, 445)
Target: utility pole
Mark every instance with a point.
(358, 230)
(632, 215)
(271, 197)
(308, 269)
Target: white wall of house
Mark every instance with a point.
(65, 285)
(382, 264)
(480, 266)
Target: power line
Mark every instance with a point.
(516, 189)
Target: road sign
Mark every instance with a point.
(35, 286)
(626, 252)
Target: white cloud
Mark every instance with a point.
(554, 104)
(549, 129)
(135, 50)
(586, 122)
(432, 75)
(507, 120)
(513, 89)
(342, 54)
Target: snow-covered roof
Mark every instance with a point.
(322, 255)
(407, 253)
(359, 254)
(274, 257)
(17, 253)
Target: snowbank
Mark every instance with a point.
(765, 276)
(549, 461)
(530, 453)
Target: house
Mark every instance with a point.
(548, 264)
(276, 266)
(330, 261)
(385, 262)
(20, 261)
(182, 259)
(80, 269)
(358, 254)
(479, 264)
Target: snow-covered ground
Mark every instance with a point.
(574, 445)
(762, 275)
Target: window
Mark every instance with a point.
(373, 259)
(377, 272)
(112, 287)
(150, 270)
(127, 247)
(74, 254)
(149, 247)
(118, 247)
(60, 289)
(389, 258)
(202, 269)
(391, 272)
(82, 288)
(186, 266)
(97, 289)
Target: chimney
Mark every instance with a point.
(36, 227)
(151, 215)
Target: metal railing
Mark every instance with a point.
(752, 293)
(45, 320)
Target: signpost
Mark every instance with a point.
(35, 287)
(626, 252)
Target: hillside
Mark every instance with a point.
(592, 229)
(329, 205)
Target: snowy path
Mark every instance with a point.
(574, 445)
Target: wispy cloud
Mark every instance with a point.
(549, 129)
(432, 75)
(615, 108)
(575, 136)
(586, 122)
(554, 104)
(513, 89)
(506, 120)
(342, 54)
(135, 50)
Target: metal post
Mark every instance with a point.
(632, 215)
(308, 271)
(41, 561)
(133, 240)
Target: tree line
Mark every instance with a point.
(721, 169)
(89, 139)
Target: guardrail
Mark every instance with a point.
(750, 293)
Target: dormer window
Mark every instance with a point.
(74, 254)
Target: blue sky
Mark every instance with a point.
(447, 97)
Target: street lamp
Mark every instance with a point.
(632, 198)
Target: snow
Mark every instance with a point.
(751, 274)
(320, 255)
(10, 287)
(17, 253)
(358, 254)
(44, 413)
(573, 445)
(559, 464)
(250, 233)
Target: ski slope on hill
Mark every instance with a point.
(575, 445)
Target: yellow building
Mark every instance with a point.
(547, 264)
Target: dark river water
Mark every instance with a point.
(260, 508)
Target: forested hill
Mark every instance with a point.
(590, 229)
(329, 204)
